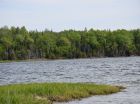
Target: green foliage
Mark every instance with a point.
(46, 93)
(18, 43)
(136, 35)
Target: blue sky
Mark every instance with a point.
(70, 14)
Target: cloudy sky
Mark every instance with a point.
(70, 14)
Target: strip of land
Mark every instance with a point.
(47, 93)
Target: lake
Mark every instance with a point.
(116, 71)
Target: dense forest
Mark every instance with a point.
(18, 43)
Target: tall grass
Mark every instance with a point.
(46, 93)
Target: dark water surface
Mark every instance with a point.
(119, 71)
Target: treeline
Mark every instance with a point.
(18, 43)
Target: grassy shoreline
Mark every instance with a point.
(47, 93)
(26, 60)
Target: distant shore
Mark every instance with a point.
(17, 43)
(45, 59)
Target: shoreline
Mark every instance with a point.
(45, 59)
(47, 93)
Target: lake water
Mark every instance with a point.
(116, 71)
